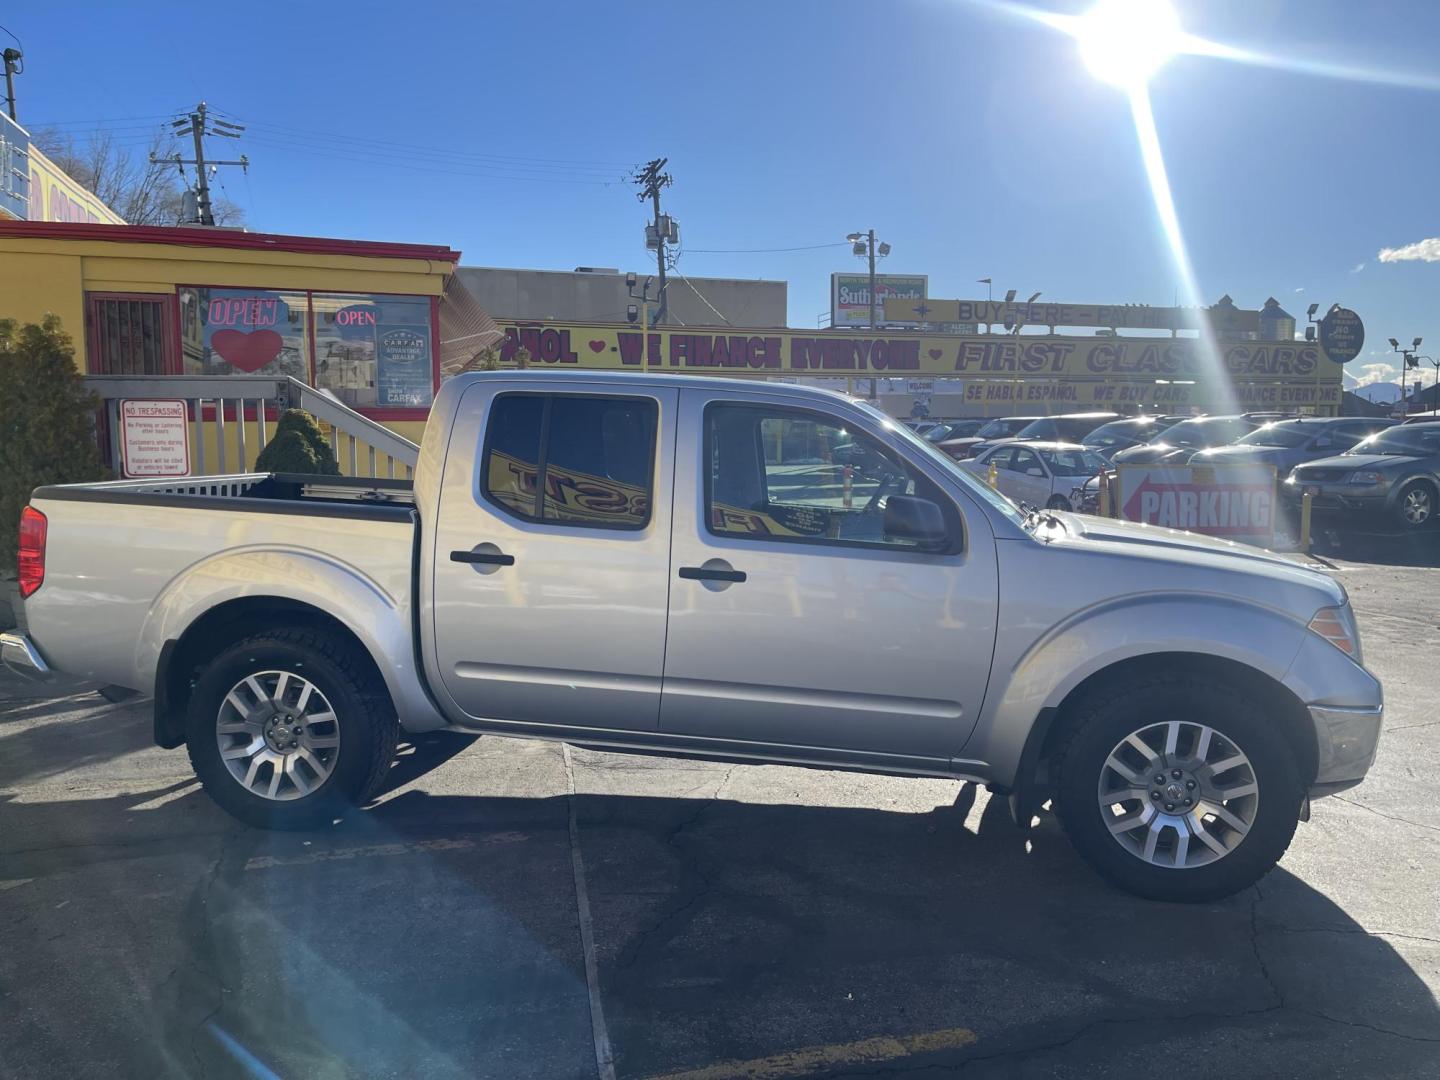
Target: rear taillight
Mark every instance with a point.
(32, 550)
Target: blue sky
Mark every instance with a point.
(976, 144)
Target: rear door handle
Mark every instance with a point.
(706, 573)
(489, 558)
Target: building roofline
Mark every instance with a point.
(620, 276)
(183, 236)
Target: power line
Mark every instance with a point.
(704, 301)
(590, 164)
(762, 251)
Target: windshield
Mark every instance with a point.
(1287, 433)
(1203, 431)
(1002, 428)
(1073, 462)
(1409, 439)
(1039, 429)
(1120, 433)
(981, 491)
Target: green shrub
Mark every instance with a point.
(47, 420)
(299, 446)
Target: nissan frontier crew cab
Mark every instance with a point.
(721, 569)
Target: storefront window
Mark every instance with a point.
(374, 350)
(244, 332)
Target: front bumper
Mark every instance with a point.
(1347, 737)
(1337, 500)
(18, 653)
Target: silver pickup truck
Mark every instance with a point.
(748, 572)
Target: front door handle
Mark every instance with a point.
(488, 558)
(711, 573)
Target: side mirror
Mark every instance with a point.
(909, 518)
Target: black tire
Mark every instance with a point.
(1095, 727)
(1416, 497)
(365, 720)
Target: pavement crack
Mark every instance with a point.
(697, 885)
(1255, 946)
(1388, 817)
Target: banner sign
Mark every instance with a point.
(1014, 370)
(1225, 318)
(155, 438)
(850, 297)
(1236, 502)
(55, 196)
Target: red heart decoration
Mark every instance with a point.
(248, 352)
(597, 346)
(935, 354)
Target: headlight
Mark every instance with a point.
(1337, 626)
(1366, 477)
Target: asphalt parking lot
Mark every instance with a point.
(516, 909)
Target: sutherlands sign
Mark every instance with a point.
(1017, 369)
(1224, 318)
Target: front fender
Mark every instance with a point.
(378, 613)
(1033, 673)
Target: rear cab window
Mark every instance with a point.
(571, 459)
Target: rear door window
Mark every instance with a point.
(571, 459)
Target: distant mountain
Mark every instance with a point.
(1383, 392)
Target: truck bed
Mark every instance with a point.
(283, 493)
(129, 563)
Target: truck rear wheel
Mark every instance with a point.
(1177, 788)
(288, 729)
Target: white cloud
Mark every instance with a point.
(1376, 373)
(1358, 267)
(1300, 289)
(1423, 250)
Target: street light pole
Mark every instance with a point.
(871, 246)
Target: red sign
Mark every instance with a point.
(1236, 502)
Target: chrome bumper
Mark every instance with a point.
(1348, 739)
(19, 654)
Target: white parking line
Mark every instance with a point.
(604, 1054)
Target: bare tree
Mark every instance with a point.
(141, 191)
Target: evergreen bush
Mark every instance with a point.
(47, 420)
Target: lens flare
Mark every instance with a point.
(1124, 42)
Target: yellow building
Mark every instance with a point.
(357, 320)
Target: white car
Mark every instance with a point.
(1042, 474)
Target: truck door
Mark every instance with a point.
(794, 619)
(551, 554)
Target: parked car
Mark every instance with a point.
(1003, 427)
(952, 429)
(1180, 442)
(1040, 474)
(1287, 443)
(1068, 428)
(1109, 439)
(1393, 478)
(635, 562)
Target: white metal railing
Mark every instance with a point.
(221, 443)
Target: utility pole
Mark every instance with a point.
(864, 244)
(651, 180)
(200, 125)
(13, 67)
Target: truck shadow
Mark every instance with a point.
(438, 935)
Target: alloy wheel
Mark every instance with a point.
(1416, 506)
(278, 736)
(1178, 794)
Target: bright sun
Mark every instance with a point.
(1124, 42)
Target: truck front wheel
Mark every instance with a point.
(287, 729)
(1177, 788)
